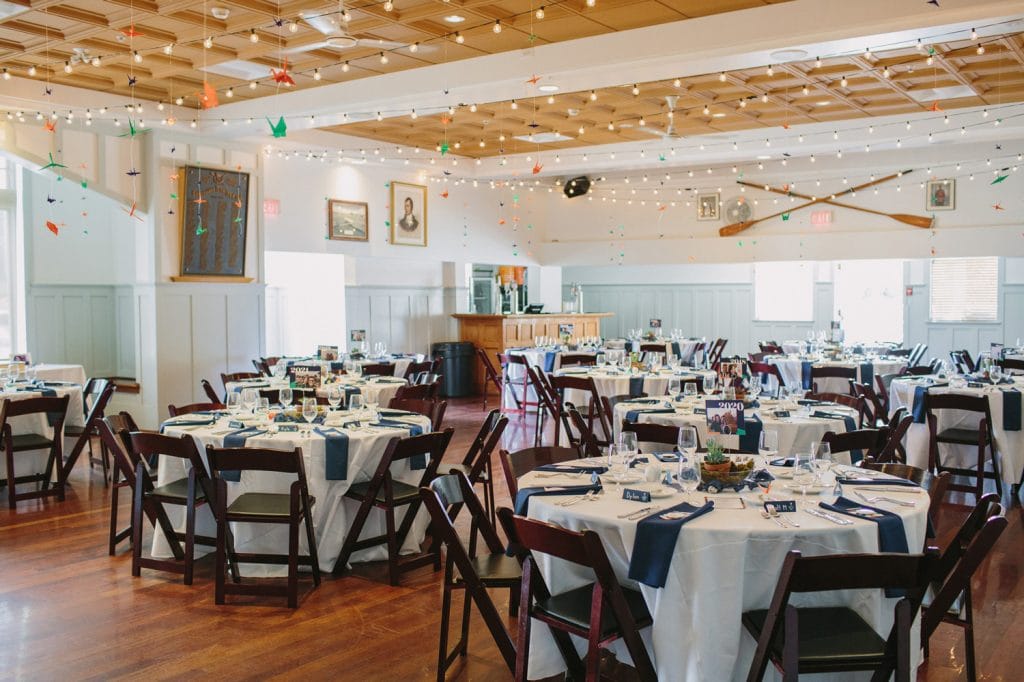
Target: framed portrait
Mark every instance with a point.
(707, 206)
(940, 195)
(348, 220)
(408, 214)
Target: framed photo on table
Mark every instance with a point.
(940, 195)
(408, 214)
(348, 220)
(707, 206)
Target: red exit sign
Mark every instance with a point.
(821, 218)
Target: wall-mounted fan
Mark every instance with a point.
(327, 22)
(737, 210)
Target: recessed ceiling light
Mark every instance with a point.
(718, 114)
(548, 87)
(764, 157)
(823, 102)
(455, 18)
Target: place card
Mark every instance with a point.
(634, 495)
(235, 424)
(781, 414)
(780, 506)
(287, 428)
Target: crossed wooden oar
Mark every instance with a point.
(916, 221)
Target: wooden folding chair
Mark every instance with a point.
(515, 464)
(476, 465)
(595, 411)
(848, 373)
(898, 425)
(581, 359)
(226, 379)
(661, 434)
(211, 394)
(829, 639)
(100, 390)
(431, 409)
(523, 403)
(465, 570)
(191, 492)
(415, 392)
(981, 437)
(113, 432)
(53, 410)
(384, 493)
(935, 485)
(383, 369)
(178, 410)
(768, 369)
(293, 509)
(549, 405)
(600, 612)
(491, 378)
(868, 442)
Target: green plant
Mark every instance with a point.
(716, 455)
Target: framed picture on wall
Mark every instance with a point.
(408, 214)
(348, 220)
(707, 206)
(940, 195)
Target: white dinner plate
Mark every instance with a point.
(811, 489)
(628, 478)
(657, 491)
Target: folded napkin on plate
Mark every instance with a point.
(637, 461)
(388, 412)
(868, 480)
(190, 420)
(524, 494)
(892, 536)
(1011, 410)
(812, 403)
(336, 454)
(633, 415)
(236, 439)
(655, 543)
(666, 456)
(574, 468)
(642, 401)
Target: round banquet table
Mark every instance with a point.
(797, 433)
(614, 382)
(332, 513)
(31, 462)
(375, 389)
(791, 369)
(1009, 443)
(547, 359)
(724, 563)
(74, 374)
(401, 362)
(687, 347)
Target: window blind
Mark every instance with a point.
(784, 292)
(964, 290)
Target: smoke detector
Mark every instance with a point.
(220, 13)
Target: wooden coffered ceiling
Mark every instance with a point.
(882, 84)
(47, 33)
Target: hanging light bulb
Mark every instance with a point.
(593, 95)
(580, 130)
(764, 97)
(981, 49)
(974, 34)
(514, 104)
(97, 62)
(208, 42)
(770, 71)
(160, 106)
(676, 83)
(415, 47)
(252, 85)
(345, 16)
(230, 93)
(6, 76)
(413, 114)
(345, 67)
(806, 90)
(867, 53)
(551, 99)
(383, 58)
(707, 110)
(497, 26)
(459, 38)
(591, 3)
(293, 26)
(817, 63)
(169, 49)
(254, 37)
(743, 104)
(388, 6)
(611, 126)
(32, 70)
(316, 74)
(540, 12)
(179, 101)
(843, 82)
(472, 108)
(636, 90)
(67, 67)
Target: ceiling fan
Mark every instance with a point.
(327, 22)
(670, 132)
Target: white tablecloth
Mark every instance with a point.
(401, 363)
(332, 514)
(792, 371)
(33, 462)
(796, 433)
(686, 347)
(615, 383)
(74, 374)
(725, 562)
(375, 389)
(1009, 444)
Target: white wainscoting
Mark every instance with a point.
(92, 326)
(407, 319)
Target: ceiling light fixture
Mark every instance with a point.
(497, 26)
(540, 12)
(459, 38)
(455, 18)
(254, 37)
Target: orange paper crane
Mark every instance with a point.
(534, 80)
(208, 96)
(537, 168)
(53, 227)
(51, 126)
(130, 32)
(282, 77)
(131, 212)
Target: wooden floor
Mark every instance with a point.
(68, 610)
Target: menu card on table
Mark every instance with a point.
(305, 376)
(327, 352)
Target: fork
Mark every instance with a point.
(785, 520)
(589, 495)
(883, 498)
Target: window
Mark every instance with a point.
(869, 300)
(964, 290)
(9, 290)
(784, 292)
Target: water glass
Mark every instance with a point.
(690, 390)
(309, 410)
(334, 397)
(803, 470)
(822, 461)
(688, 472)
(627, 443)
(355, 402)
(768, 446)
(284, 396)
(995, 373)
(234, 403)
(674, 387)
(371, 407)
(709, 384)
(249, 399)
(601, 360)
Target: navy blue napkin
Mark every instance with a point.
(867, 480)
(388, 412)
(892, 536)
(524, 494)
(636, 386)
(917, 409)
(805, 375)
(750, 440)
(867, 373)
(574, 468)
(549, 360)
(633, 415)
(236, 439)
(417, 461)
(337, 366)
(675, 349)
(198, 421)
(637, 461)
(336, 451)
(655, 543)
(1011, 410)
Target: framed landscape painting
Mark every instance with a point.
(348, 220)
(408, 214)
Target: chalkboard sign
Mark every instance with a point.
(214, 211)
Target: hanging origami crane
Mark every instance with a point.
(52, 164)
(208, 97)
(279, 129)
(281, 77)
(53, 227)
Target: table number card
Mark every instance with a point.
(287, 428)
(305, 377)
(655, 323)
(725, 421)
(327, 352)
(634, 495)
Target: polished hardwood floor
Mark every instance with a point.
(68, 610)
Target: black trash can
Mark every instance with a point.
(456, 368)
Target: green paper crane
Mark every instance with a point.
(999, 179)
(279, 129)
(132, 130)
(785, 216)
(52, 164)
(444, 148)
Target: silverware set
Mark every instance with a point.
(780, 520)
(883, 498)
(590, 496)
(828, 516)
(638, 514)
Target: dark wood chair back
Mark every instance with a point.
(210, 392)
(148, 445)
(652, 348)
(178, 410)
(431, 409)
(486, 440)
(100, 391)
(918, 370)
(54, 410)
(590, 446)
(770, 348)
(907, 572)
(383, 369)
(595, 410)
(491, 376)
(853, 402)
(935, 484)
(849, 373)
(768, 369)
(262, 368)
(715, 354)
(580, 359)
(415, 368)
(876, 411)
(893, 451)
(606, 595)
(979, 435)
(549, 405)
(662, 434)
(515, 464)
(416, 392)
(1012, 365)
(868, 441)
(226, 379)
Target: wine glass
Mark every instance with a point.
(613, 358)
(822, 462)
(687, 440)
(803, 469)
(617, 464)
(688, 471)
(690, 390)
(709, 384)
(309, 410)
(371, 405)
(333, 397)
(234, 403)
(357, 369)
(674, 387)
(768, 445)
(601, 360)
(249, 399)
(995, 373)
(628, 443)
(284, 396)
(355, 402)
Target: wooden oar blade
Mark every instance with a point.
(915, 220)
(735, 228)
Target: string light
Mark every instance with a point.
(383, 58)
(677, 82)
(67, 67)
(230, 92)
(472, 108)
(770, 71)
(539, 13)
(345, 67)
(843, 82)
(636, 90)
(593, 95)
(293, 26)
(208, 42)
(254, 37)
(316, 74)
(591, 3)
(817, 62)
(388, 6)
(169, 49)
(497, 26)
(514, 105)
(6, 76)
(32, 70)
(415, 47)
(97, 62)
(252, 85)
(459, 38)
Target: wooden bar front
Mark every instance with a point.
(495, 333)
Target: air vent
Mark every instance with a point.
(543, 138)
(240, 69)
